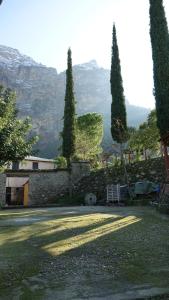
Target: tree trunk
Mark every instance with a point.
(161, 149)
(121, 154)
(145, 154)
(126, 180)
(70, 177)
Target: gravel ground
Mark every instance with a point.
(76, 253)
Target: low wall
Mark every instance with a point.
(45, 185)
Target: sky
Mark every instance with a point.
(44, 30)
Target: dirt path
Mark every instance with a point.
(83, 253)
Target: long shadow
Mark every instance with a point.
(17, 250)
(45, 235)
(15, 227)
(29, 219)
(110, 263)
(26, 271)
(16, 223)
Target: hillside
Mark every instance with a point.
(40, 95)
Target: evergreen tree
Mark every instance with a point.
(160, 53)
(14, 142)
(118, 110)
(68, 134)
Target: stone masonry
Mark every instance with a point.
(45, 185)
(2, 189)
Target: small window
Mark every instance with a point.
(15, 165)
(35, 165)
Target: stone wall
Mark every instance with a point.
(44, 187)
(96, 182)
(79, 170)
(48, 185)
(2, 189)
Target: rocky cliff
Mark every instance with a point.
(40, 95)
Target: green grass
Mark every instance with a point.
(76, 253)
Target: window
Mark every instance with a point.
(35, 165)
(15, 165)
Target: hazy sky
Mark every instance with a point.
(45, 29)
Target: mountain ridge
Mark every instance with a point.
(40, 94)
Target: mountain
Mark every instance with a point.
(12, 58)
(40, 95)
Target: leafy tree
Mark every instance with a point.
(14, 142)
(89, 135)
(146, 137)
(118, 110)
(160, 53)
(60, 162)
(153, 132)
(68, 134)
(1, 2)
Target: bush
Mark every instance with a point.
(60, 162)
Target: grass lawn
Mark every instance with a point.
(84, 253)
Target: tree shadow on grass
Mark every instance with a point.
(19, 251)
(98, 258)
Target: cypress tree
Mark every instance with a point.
(118, 109)
(68, 134)
(160, 53)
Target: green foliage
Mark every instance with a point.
(160, 53)
(146, 137)
(89, 134)
(14, 141)
(61, 162)
(118, 110)
(68, 134)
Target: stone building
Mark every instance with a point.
(33, 163)
(38, 187)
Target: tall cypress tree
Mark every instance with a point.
(160, 53)
(68, 134)
(118, 109)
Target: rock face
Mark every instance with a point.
(40, 95)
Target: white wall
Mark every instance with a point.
(28, 165)
(42, 165)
